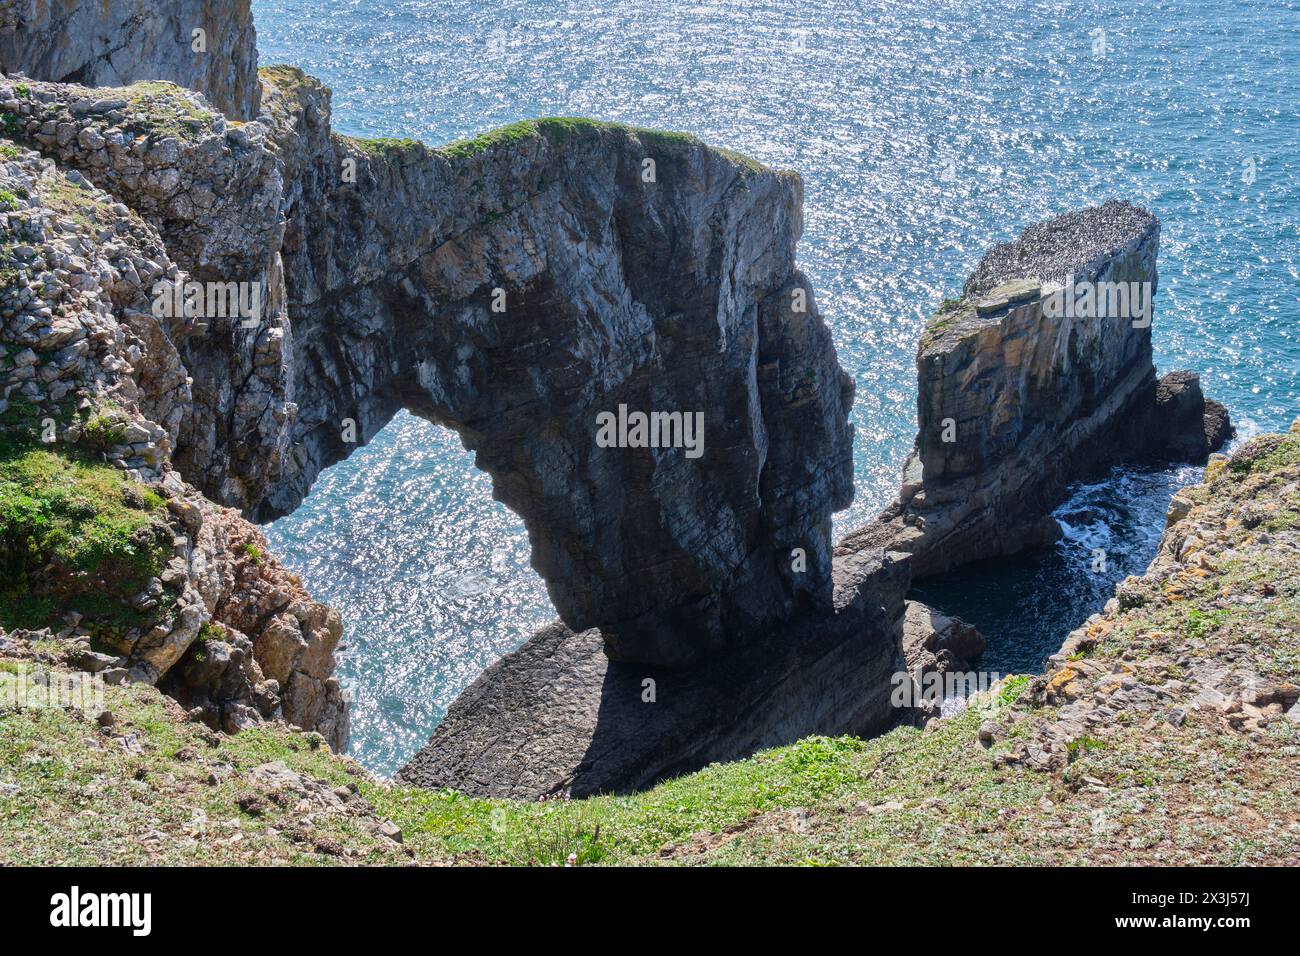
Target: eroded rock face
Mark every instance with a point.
(87, 366)
(115, 42)
(669, 292)
(514, 289)
(674, 292)
(1019, 394)
(1034, 400)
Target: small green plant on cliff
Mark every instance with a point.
(9, 151)
(1200, 624)
(1083, 745)
(82, 206)
(282, 74)
(23, 90)
(103, 430)
(1012, 688)
(8, 201)
(1266, 453)
(253, 552)
(505, 135)
(561, 841)
(11, 124)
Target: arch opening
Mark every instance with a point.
(430, 574)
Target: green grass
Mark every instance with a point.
(1200, 624)
(949, 310)
(81, 205)
(561, 129)
(170, 112)
(503, 136)
(384, 144)
(814, 772)
(1266, 453)
(103, 430)
(74, 534)
(282, 74)
(1137, 790)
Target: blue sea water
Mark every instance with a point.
(925, 130)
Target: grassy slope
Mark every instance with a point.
(1139, 789)
(66, 519)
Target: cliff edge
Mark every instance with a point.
(1165, 733)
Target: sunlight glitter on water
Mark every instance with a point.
(925, 130)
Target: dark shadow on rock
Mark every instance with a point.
(556, 717)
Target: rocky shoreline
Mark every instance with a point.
(512, 287)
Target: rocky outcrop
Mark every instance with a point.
(935, 641)
(1028, 401)
(88, 369)
(1033, 379)
(222, 628)
(558, 718)
(514, 288)
(518, 287)
(116, 42)
(636, 269)
(1200, 637)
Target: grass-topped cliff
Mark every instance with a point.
(287, 81)
(1165, 732)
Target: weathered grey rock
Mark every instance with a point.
(677, 295)
(115, 42)
(1018, 397)
(557, 717)
(934, 641)
(1177, 423)
(381, 264)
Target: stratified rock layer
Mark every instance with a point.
(1018, 397)
(1035, 402)
(513, 288)
(557, 717)
(516, 287)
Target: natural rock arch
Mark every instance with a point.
(673, 294)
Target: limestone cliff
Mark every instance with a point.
(1167, 732)
(512, 288)
(634, 268)
(1018, 396)
(1030, 401)
(515, 288)
(91, 376)
(115, 42)
(629, 267)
